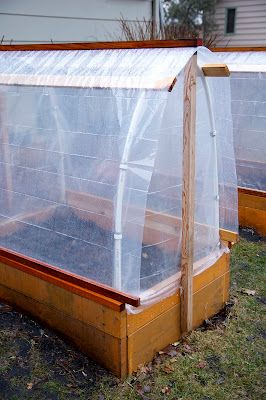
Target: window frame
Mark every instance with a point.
(226, 20)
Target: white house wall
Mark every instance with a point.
(31, 21)
(250, 28)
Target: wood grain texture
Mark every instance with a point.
(150, 333)
(65, 279)
(208, 301)
(219, 268)
(188, 194)
(252, 209)
(146, 44)
(152, 337)
(118, 341)
(251, 192)
(87, 310)
(216, 70)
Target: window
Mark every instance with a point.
(230, 20)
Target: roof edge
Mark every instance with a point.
(146, 44)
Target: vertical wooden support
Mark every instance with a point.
(188, 195)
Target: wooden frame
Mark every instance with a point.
(104, 45)
(188, 194)
(232, 49)
(252, 209)
(106, 332)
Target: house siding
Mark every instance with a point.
(250, 27)
(33, 21)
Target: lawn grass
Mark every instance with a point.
(222, 360)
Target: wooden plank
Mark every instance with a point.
(146, 44)
(216, 70)
(107, 350)
(147, 334)
(154, 336)
(188, 194)
(244, 48)
(136, 321)
(62, 278)
(87, 310)
(208, 301)
(219, 268)
(228, 236)
(252, 209)
(251, 192)
(226, 287)
(252, 201)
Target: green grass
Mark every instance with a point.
(226, 361)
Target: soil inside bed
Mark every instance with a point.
(77, 253)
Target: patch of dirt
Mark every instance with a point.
(37, 364)
(250, 234)
(82, 247)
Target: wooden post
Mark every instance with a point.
(188, 194)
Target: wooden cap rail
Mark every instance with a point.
(146, 44)
(216, 70)
(236, 49)
(66, 279)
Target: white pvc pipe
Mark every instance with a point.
(56, 111)
(213, 133)
(118, 234)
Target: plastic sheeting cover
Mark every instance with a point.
(76, 163)
(91, 179)
(248, 92)
(133, 68)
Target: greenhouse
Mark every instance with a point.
(248, 93)
(118, 183)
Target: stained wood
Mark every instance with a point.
(252, 209)
(216, 70)
(146, 44)
(208, 301)
(149, 334)
(62, 278)
(105, 317)
(219, 268)
(188, 194)
(232, 49)
(228, 236)
(137, 321)
(251, 192)
(153, 337)
(118, 341)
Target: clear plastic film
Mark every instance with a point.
(215, 186)
(76, 161)
(248, 93)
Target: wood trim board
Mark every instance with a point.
(146, 44)
(61, 278)
(236, 49)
